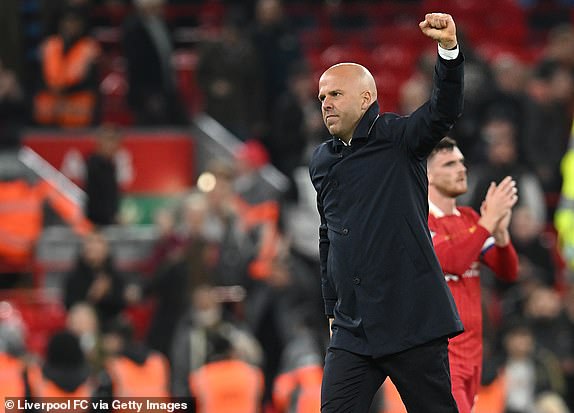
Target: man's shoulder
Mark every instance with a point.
(468, 212)
(387, 118)
(321, 150)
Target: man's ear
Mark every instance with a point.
(429, 174)
(366, 99)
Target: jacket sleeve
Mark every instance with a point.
(434, 119)
(329, 294)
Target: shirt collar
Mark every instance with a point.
(439, 213)
(363, 128)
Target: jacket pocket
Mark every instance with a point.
(337, 229)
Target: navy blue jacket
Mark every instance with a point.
(381, 279)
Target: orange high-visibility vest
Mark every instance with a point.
(11, 378)
(61, 70)
(227, 386)
(130, 379)
(492, 398)
(265, 214)
(21, 218)
(306, 381)
(41, 387)
(393, 401)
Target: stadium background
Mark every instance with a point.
(513, 48)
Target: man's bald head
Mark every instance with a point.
(359, 73)
(346, 91)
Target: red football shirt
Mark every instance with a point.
(461, 245)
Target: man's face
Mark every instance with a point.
(447, 173)
(342, 101)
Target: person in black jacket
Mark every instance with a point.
(95, 279)
(390, 309)
(102, 188)
(148, 49)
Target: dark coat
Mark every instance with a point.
(144, 65)
(381, 280)
(102, 190)
(79, 281)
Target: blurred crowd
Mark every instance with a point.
(236, 298)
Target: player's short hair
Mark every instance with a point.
(445, 144)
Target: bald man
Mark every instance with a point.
(390, 310)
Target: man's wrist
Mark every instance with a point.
(448, 54)
(501, 238)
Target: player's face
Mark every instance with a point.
(447, 172)
(341, 100)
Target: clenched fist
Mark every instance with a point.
(440, 27)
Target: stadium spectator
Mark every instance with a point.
(508, 99)
(251, 158)
(13, 111)
(560, 45)
(527, 370)
(547, 319)
(12, 46)
(103, 193)
(278, 47)
(229, 75)
(499, 136)
(296, 125)
(548, 120)
(193, 345)
(550, 402)
(478, 86)
(95, 279)
(12, 352)
(167, 240)
(148, 48)
(82, 320)
(413, 93)
(189, 264)
(275, 305)
(64, 372)
(533, 246)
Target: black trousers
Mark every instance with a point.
(421, 375)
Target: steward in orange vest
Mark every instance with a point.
(70, 76)
(226, 384)
(12, 365)
(12, 382)
(65, 372)
(135, 370)
(297, 388)
(21, 219)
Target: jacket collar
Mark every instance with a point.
(364, 126)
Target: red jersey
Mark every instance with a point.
(461, 245)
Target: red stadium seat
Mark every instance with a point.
(393, 57)
(344, 53)
(388, 85)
